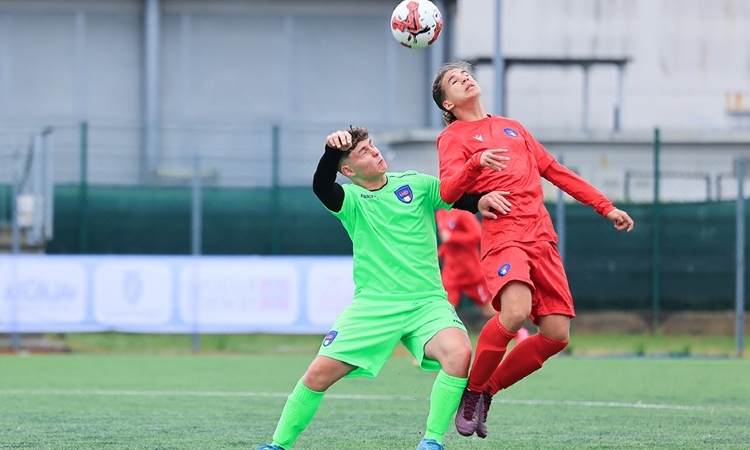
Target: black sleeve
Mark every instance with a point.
(330, 193)
(468, 202)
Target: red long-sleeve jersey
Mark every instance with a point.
(459, 148)
(460, 234)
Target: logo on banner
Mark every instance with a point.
(329, 338)
(132, 286)
(405, 194)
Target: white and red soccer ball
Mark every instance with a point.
(416, 23)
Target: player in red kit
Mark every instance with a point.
(460, 233)
(478, 152)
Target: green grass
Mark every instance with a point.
(652, 345)
(580, 344)
(224, 401)
(122, 343)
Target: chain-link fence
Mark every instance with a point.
(252, 186)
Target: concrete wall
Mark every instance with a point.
(232, 69)
(227, 72)
(689, 65)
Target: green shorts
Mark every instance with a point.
(366, 333)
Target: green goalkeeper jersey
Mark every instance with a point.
(394, 237)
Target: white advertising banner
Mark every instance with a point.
(323, 303)
(173, 294)
(236, 293)
(39, 291)
(132, 291)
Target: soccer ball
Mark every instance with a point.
(416, 23)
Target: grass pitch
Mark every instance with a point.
(233, 402)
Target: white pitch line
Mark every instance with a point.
(621, 405)
(590, 404)
(188, 394)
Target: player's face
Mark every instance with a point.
(459, 87)
(366, 161)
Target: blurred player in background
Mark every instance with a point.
(399, 296)
(478, 152)
(460, 233)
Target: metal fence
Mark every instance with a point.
(693, 165)
(634, 167)
(652, 167)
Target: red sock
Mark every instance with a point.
(525, 358)
(491, 345)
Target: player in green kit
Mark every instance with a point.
(399, 296)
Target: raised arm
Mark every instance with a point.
(581, 190)
(457, 174)
(330, 193)
(577, 187)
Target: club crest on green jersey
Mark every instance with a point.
(329, 338)
(404, 193)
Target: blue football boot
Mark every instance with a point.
(430, 444)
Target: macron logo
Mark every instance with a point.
(478, 137)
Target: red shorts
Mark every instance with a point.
(477, 292)
(537, 264)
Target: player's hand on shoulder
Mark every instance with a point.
(621, 220)
(494, 202)
(493, 158)
(341, 140)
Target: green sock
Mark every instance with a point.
(298, 411)
(444, 399)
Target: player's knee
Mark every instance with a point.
(314, 379)
(456, 357)
(320, 376)
(457, 362)
(515, 299)
(514, 319)
(561, 335)
(555, 327)
(458, 348)
(463, 355)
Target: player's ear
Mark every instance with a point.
(347, 171)
(448, 105)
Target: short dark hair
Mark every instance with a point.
(359, 134)
(438, 96)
